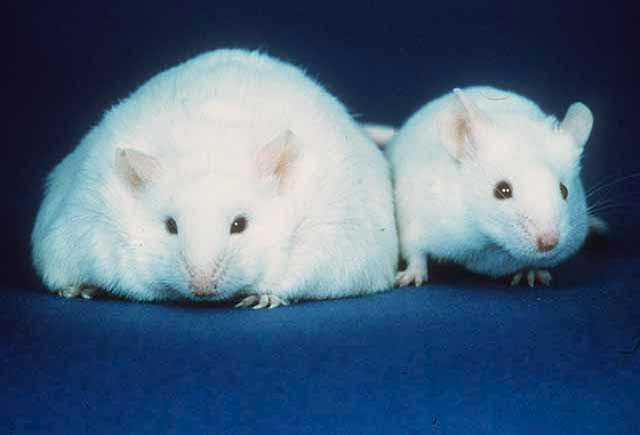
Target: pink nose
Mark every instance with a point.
(200, 293)
(202, 286)
(203, 291)
(547, 242)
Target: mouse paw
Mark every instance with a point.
(532, 276)
(411, 274)
(78, 291)
(261, 301)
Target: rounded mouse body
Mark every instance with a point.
(483, 178)
(231, 174)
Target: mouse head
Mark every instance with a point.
(208, 234)
(520, 176)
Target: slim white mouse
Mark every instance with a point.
(232, 175)
(483, 178)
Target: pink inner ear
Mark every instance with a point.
(277, 158)
(131, 178)
(136, 168)
(462, 133)
(456, 135)
(462, 126)
(287, 157)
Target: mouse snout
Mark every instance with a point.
(202, 285)
(547, 241)
(543, 234)
(202, 291)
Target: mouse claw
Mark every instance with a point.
(88, 292)
(69, 292)
(277, 302)
(532, 277)
(263, 301)
(247, 302)
(408, 276)
(516, 279)
(544, 277)
(74, 291)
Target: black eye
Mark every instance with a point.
(503, 190)
(171, 225)
(239, 225)
(564, 191)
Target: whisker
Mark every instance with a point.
(609, 207)
(601, 182)
(600, 203)
(610, 183)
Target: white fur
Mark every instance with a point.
(328, 232)
(445, 207)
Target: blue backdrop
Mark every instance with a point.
(462, 355)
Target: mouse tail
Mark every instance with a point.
(380, 134)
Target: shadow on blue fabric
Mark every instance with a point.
(462, 355)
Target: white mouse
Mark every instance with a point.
(483, 178)
(231, 175)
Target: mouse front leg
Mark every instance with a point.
(540, 276)
(262, 301)
(417, 271)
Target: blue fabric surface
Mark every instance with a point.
(463, 355)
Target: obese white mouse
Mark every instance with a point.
(232, 175)
(483, 178)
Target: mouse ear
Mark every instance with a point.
(461, 126)
(277, 158)
(578, 123)
(135, 168)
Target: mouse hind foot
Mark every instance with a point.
(79, 291)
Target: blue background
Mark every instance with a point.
(462, 355)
